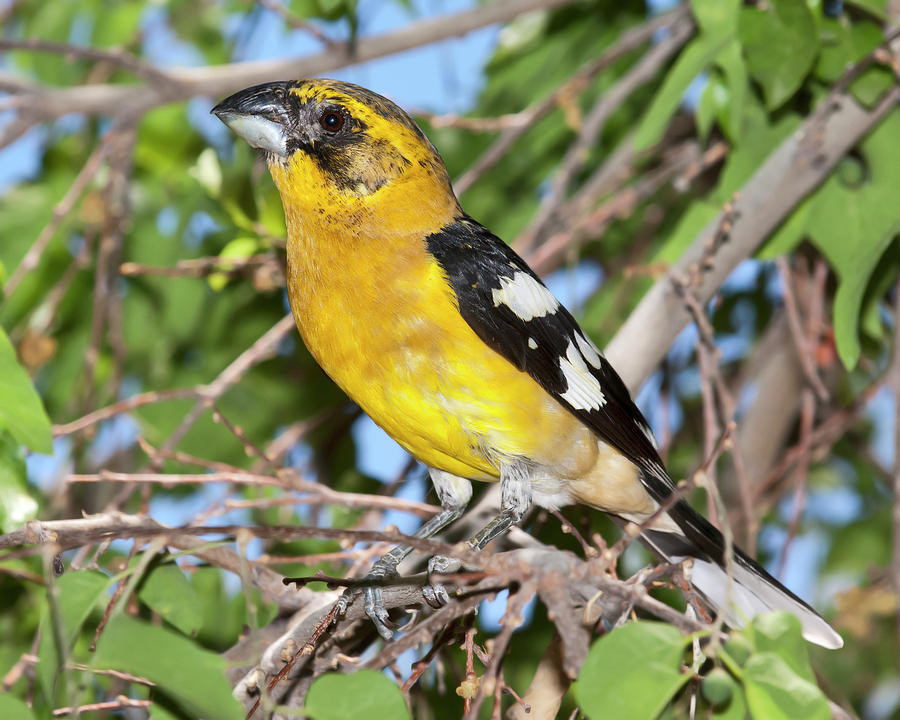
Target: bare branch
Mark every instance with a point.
(218, 80)
(120, 58)
(790, 173)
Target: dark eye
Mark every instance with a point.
(331, 121)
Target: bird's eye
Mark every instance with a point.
(331, 121)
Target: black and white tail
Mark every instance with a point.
(753, 592)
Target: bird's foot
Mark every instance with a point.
(435, 593)
(373, 599)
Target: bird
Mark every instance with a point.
(451, 343)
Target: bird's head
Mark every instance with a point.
(332, 146)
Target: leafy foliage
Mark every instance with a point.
(365, 693)
(635, 670)
(632, 672)
(199, 684)
(21, 414)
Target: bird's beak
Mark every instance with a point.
(258, 114)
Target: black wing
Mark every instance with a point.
(546, 342)
(518, 317)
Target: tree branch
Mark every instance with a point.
(790, 173)
(219, 80)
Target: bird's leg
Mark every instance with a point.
(454, 494)
(515, 499)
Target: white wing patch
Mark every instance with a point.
(648, 433)
(583, 390)
(589, 351)
(525, 296)
(532, 343)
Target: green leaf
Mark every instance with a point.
(12, 708)
(842, 46)
(16, 504)
(364, 694)
(850, 219)
(167, 591)
(712, 100)
(222, 618)
(865, 539)
(776, 692)
(871, 317)
(77, 592)
(208, 172)
(693, 60)
(853, 225)
(716, 16)
(192, 676)
(780, 633)
(735, 710)
(21, 411)
(789, 234)
(160, 712)
(780, 45)
(877, 7)
(632, 672)
(238, 249)
(52, 21)
(120, 24)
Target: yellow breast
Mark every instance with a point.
(398, 347)
(377, 313)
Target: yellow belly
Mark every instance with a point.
(394, 341)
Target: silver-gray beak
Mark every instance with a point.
(258, 115)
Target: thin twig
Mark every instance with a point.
(60, 212)
(643, 71)
(629, 41)
(217, 80)
(298, 23)
(119, 703)
(805, 352)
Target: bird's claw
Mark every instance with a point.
(373, 600)
(443, 565)
(343, 602)
(435, 593)
(378, 614)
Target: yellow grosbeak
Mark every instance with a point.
(452, 344)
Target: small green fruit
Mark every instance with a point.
(717, 687)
